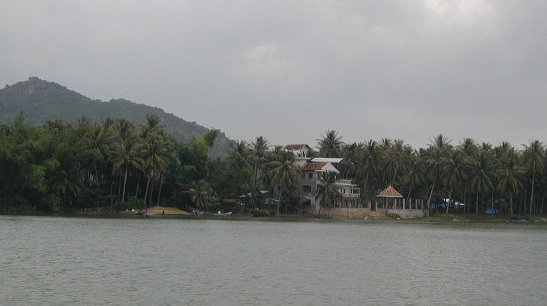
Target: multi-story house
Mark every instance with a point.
(309, 178)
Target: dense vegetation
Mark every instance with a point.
(479, 175)
(115, 165)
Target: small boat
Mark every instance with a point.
(198, 212)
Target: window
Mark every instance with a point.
(306, 188)
(303, 176)
(310, 175)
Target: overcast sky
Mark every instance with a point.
(290, 70)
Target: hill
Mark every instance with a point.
(41, 100)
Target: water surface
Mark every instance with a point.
(54, 261)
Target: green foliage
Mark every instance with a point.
(115, 164)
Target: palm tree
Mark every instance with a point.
(509, 176)
(151, 126)
(258, 157)
(330, 145)
(469, 148)
(534, 163)
(240, 162)
(123, 155)
(96, 143)
(157, 153)
(454, 172)
(327, 191)
(414, 175)
(283, 174)
(369, 163)
(481, 172)
(351, 153)
(202, 193)
(435, 160)
(395, 158)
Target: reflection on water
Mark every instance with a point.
(206, 262)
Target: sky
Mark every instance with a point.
(291, 70)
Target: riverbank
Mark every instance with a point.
(168, 213)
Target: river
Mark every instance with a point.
(72, 261)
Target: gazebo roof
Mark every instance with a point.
(389, 192)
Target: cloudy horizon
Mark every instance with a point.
(290, 70)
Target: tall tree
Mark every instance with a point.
(124, 155)
(436, 158)
(327, 191)
(258, 158)
(202, 193)
(509, 176)
(283, 175)
(481, 171)
(534, 163)
(157, 153)
(369, 164)
(240, 163)
(454, 172)
(330, 145)
(414, 175)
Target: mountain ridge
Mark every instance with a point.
(40, 100)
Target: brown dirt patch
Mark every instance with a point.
(159, 210)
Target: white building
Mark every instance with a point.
(311, 171)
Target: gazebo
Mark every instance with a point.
(390, 198)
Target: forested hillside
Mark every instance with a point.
(40, 101)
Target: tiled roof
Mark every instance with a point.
(296, 146)
(313, 166)
(390, 192)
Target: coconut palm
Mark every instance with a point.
(481, 175)
(330, 145)
(369, 163)
(327, 191)
(258, 158)
(394, 161)
(124, 155)
(351, 153)
(202, 194)
(157, 153)
(239, 161)
(414, 175)
(151, 126)
(509, 176)
(436, 157)
(96, 143)
(534, 163)
(453, 174)
(283, 175)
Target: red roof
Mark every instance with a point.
(296, 146)
(390, 192)
(313, 166)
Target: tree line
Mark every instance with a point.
(115, 164)
(479, 175)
